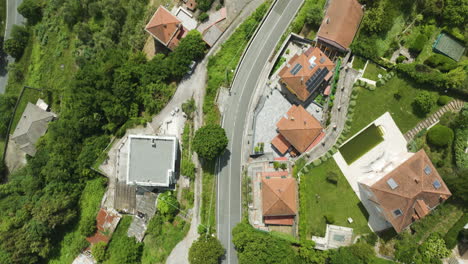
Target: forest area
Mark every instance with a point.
(86, 55)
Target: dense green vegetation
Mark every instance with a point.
(320, 199)
(206, 250)
(161, 238)
(123, 249)
(102, 84)
(210, 141)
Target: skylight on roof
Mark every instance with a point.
(322, 60)
(392, 183)
(427, 170)
(397, 212)
(436, 184)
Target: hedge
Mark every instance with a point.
(461, 159)
(452, 236)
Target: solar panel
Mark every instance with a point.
(392, 183)
(296, 69)
(316, 79)
(427, 170)
(397, 212)
(436, 184)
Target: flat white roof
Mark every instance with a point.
(151, 160)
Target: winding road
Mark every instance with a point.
(12, 18)
(248, 75)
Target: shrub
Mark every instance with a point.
(400, 59)
(202, 17)
(352, 103)
(460, 145)
(329, 218)
(206, 250)
(18, 42)
(168, 205)
(99, 251)
(204, 5)
(332, 177)
(88, 226)
(317, 162)
(441, 62)
(424, 102)
(440, 136)
(202, 230)
(31, 10)
(418, 44)
(452, 237)
(210, 141)
(188, 168)
(443, 100)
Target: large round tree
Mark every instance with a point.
(440, 136)
(210, 141)
(206, 250)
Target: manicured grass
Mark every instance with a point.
(73, 242)
(372, 104)
(383, 44)
(427, 50)
(361, 144)
(359, 63)
(372, 71)
(318, 197)
(156, 249)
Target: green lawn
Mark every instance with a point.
(383, 44)
(372, 104)
(361, 144)
(156, 249)
(372, 71)
(319, 197)
(208, 204)
(359, 63)
(73, 242)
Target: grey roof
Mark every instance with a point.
(151, 160)
(146, 204)
(31, 126)
(211, 35)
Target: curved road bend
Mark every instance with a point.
(229, 177)
(12, 18)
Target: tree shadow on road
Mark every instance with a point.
(223, 159)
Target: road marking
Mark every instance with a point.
(233, 131)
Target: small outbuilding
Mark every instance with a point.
(448, 46)
(32, 125)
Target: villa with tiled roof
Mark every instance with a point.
(279, 200)
(305, 72)
(298, 131)
(166, 28)
(408, 192)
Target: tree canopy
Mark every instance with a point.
(424, 102)
(206, 250)
(440, 136)
(210, 141)
(168, 205)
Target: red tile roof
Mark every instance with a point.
(191, 4)
(297, 82)
(279, 197)
(281, 144)
(275, 173)
(103, 221)
(415, 193)
(165, 27)
(341, 22)
(279, 220)
(299, 128)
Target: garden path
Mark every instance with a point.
(454, 106)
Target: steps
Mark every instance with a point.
(453, 106)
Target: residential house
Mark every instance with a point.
(279, 198)
(166, 28)
(31, 126)
(408, 192)
(305, 73)
(339, 26)
(298, 131)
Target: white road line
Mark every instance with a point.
(232, 134)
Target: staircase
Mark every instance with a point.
(453, 106)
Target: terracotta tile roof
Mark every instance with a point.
(104, 221)
(281, 144)
(299, 128)
(297, 81)
(279, 196)
(340, 23)
(277, 174)
(316, 141)
(419, 187)
(164, 26)
(279, 220)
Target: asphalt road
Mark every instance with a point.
(13, 18)
(229, 176)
